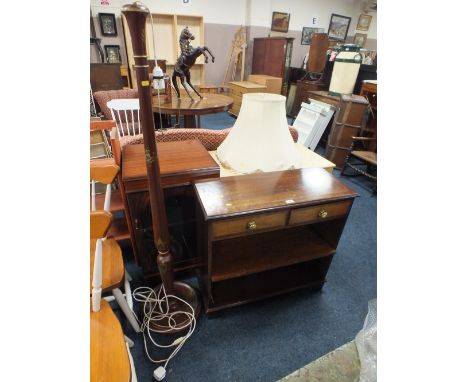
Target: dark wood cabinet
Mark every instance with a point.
(348, 121)
(302, 94)
(106, 77)
(272, 56)
(266, 234)
(180, 162)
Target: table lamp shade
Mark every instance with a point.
(260, 139)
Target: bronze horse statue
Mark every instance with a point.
(187, 58)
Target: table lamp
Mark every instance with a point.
(260, 140)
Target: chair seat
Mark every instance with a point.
(368, 156)
(113, 271)
(109, 357)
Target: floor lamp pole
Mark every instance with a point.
(136, 15)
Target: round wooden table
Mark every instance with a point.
(210, 104)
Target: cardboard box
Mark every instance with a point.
(273, 84)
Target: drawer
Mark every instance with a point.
(236, 98)
(248, 224)
(319, 213)
(239, 91)
(236, 92)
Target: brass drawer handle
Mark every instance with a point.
(323, 214)
(251, 225)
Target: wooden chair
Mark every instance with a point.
(126, 113)
(110, 356)
(111, 359)
(102, 97)
(107, 270)
(362, 158)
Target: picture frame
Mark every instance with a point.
(339, 26)
(360, 39)
(280, 22)
(113, 54)
(307, 34)
(364, 22)
(107, 24)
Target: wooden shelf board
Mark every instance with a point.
(119, 229)
(246, 255)
(116, 203)
(233, 303)
(258, 286)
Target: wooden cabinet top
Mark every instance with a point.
(247, 85)
(274, 38)
(179, 162)
(243, 194)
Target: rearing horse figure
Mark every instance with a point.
(186, 60)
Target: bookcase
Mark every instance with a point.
(265, 234)
(167, 29)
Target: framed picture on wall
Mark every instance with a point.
(364, 22)
(113, 54)
(338, 28)
(307, 34)
(108, 24)
(280, 22)
(360, 39)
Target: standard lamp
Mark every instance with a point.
(136, 15)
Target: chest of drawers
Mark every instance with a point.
(238, 88)
(266, 234)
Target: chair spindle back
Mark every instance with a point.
(126, 113)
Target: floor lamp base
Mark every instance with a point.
(186, 293)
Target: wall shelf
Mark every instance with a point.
(167, 29)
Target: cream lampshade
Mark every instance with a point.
(260, 139)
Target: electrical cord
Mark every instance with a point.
(156, 309)
(155, 65)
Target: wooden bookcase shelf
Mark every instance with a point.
(265, 251)
(258, 286)
(119, 229)
(167, 29)
(265, 234)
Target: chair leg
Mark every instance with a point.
(129, 342)
(96, 299)
(128, 291)
(127, 276)
(343, 169)
(132, 365)
(119, 297)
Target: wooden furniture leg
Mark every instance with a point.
(189, 122)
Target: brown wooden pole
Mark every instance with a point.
(136, 15)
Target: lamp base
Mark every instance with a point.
(186, 293)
